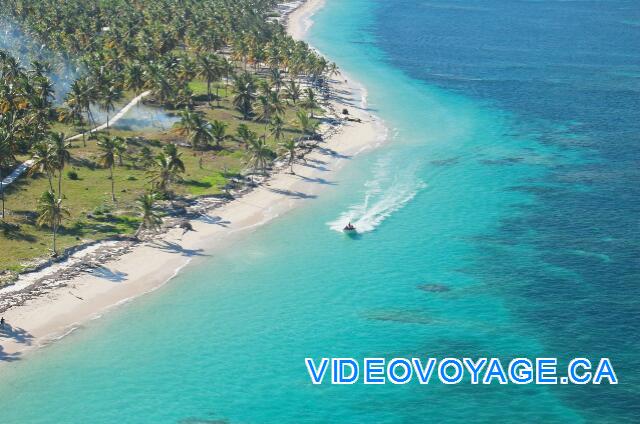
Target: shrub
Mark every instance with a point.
(72, 175)
(101, 210)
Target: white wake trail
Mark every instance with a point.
(384, 194)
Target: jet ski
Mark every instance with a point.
(349, 228)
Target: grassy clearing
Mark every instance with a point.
(88, 198)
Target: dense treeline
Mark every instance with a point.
(159, 44)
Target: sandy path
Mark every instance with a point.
(20, 169)
(115, 117)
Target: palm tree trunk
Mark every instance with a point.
(91, 118)
(60, 183)
(55, 231)
(113, 191)
(2, 192)
(209, 90)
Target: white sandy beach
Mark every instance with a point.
(149, 265)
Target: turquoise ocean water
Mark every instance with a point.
(508, 177)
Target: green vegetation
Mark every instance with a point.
(150, 217)
(243, 90)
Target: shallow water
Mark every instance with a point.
(510, 177)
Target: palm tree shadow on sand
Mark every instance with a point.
(108, 274)
(216, 220)
(17, 334)
(330, 152)
(292, 193)
(317, 180)
(172, 247)
(8, 357)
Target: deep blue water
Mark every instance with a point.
(569, 72)
(510, 177)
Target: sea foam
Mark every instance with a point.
(387, 192)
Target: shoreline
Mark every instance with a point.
(50, 304)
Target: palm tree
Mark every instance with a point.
(241, 51)
(289, 146)
(145, 157)
(62, 154)
(134, 77)
(40, 113)
(276, 78)
(201, 136)
(187, 122)
(91, 95)
(81, 95)
(273, 56)
(149, 216)
(219, 132)
(221, 68)
(208, 69)
(276, 127)
(245, 135)
(277, 104)
(110, 151)
(310, 103)
(244, 86)
(270, 104)
(333, 69)
(226, 68)
(264, 108)
(45, 160)
(307, 125)
(6, 159)
(77, 102)
(260, 154)
(43, 89)
(161, 173)
(109, 95)
(121, 148)
(159, 81)
(174, 158)
(50, 214)
(293, 91)
(196, 128)
(164, 173)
